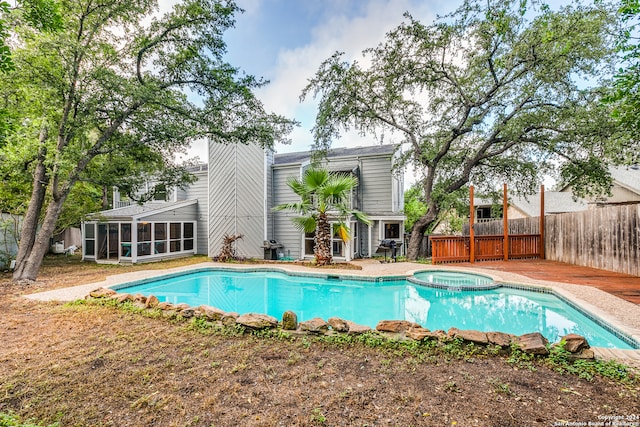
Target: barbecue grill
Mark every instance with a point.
(271, 249)
(388, 244)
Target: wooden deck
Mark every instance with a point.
(621, 285)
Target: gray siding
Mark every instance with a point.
(180, 194)
(283, 230)
(375, 197)
(376, 185)
(236, 197)
(199, 191)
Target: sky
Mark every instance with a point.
(285, 41)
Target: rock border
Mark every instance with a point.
(533, 343)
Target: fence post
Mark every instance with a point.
(541, 222)
(472, 237)
(505, 226)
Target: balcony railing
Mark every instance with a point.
(121, 203)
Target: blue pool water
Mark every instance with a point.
(367, 302)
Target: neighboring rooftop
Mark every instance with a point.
(302, 156)
(627, 176)
(554, 202)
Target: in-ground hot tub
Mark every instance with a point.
(453, 280)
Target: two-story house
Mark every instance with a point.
(246, 182)
(379, 194)
(235, 194)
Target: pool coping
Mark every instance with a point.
(620, 317)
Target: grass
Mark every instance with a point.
(12, 420)
(97, 363)
(559, 359)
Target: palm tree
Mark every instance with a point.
(323, 195)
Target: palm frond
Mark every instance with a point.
(321, 192)
(298, 187)
(315, 178)
(300, 208)
(361, 216)
(342, 231)
(306, 224)
(339, 186)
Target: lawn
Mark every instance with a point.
(86, 364)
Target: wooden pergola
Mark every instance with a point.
(473, 248)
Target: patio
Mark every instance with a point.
(621, 285)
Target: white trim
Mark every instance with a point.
(265, 197)
(387, 217)
(84, 239)
(370, 231)
(134, 241)
(171, 207)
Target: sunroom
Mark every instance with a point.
(141, 233)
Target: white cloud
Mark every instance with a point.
(338, 33)
(337, 28)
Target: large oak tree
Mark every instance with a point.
(115, 77)
(492, 93)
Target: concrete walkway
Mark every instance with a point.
(619, 313)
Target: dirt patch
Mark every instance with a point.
(101, 366)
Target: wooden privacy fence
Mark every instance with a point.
(487, 247)
(601, 237)
(604, 237)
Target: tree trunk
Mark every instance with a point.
(27, 270)
(418, 230)
(30, 223)
(105, 198)
(323, 240)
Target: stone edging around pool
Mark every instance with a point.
(532, 343)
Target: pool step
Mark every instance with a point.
(628, 357)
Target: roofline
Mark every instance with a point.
(170, 207)
(329, 157)
(626, 187)
(98, 216)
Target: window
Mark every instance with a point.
(309, 243)
(337, 245)
(392, 231)
(175, 236)
(483, 212)
(144, 239)
(160, 237)
(90, 239)
(125, 240)
(160, 193)
(187, 236)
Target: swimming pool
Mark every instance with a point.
(366, 302)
